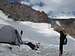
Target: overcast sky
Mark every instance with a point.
(53, 5)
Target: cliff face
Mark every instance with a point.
(22, 12)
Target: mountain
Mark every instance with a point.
(22, 12)
(67, 24)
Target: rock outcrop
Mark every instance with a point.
(20, 12)
(68, 25)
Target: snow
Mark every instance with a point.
(35, 32)
(64, 17)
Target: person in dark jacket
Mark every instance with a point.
(62, 39)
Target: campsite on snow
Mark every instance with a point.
(25, 31)
(47, 37)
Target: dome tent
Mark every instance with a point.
(9, 35)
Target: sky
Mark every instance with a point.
(53, 7)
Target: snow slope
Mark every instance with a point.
(35, 32)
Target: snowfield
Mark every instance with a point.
(35, 32)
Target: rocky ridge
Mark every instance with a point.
(22, 12)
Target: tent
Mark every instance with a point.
(9, 34)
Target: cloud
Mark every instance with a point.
(57, 6)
